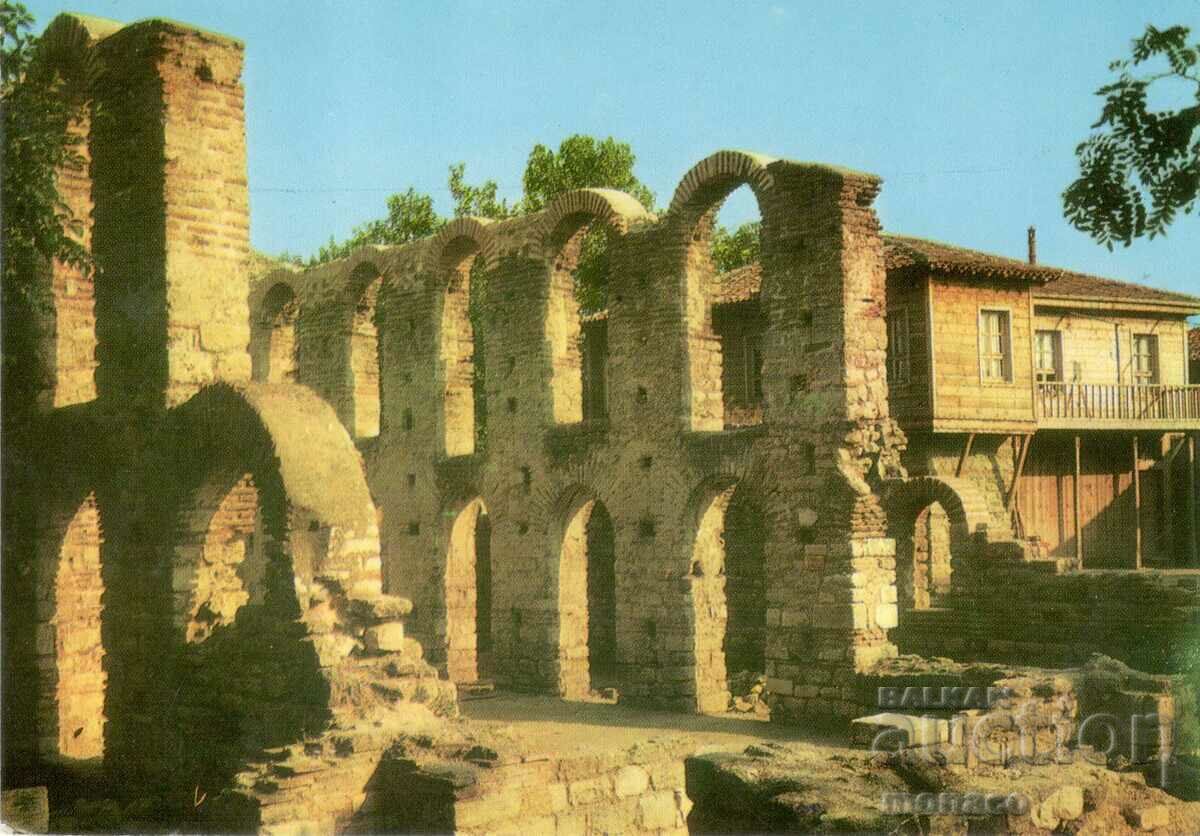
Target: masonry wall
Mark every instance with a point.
(661, 457)
(192, 568)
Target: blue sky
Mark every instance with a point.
(970, 112)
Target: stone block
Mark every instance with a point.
(1150, 818)
(631, 780)
(385, 638)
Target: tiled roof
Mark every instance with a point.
(739, 285)
(903, 253)
(1095, 287)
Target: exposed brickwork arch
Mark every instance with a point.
(273, 342)
(459, 249)
(301, 460)
(461, 584)
(724, 603)
(70, 646)
(560, 235)
(615, 209)
(445, 247)
(691, 217)
(575, 510)
(936, 524)
(713, 178)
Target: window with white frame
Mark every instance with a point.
(898, 347)
(995, 345)
(1145, 359)
(1047, 356)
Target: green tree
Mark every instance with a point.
(45, 85)
(731, 250)
(477, 201)
(410, 216)
(1142, 166)
(581, 162)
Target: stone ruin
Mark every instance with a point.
(256, 533)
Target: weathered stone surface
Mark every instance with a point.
(26, 810)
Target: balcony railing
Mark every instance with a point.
(1088, 404)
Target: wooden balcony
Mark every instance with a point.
(1117, 406)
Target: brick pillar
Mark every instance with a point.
(831, 586)
(171, 235)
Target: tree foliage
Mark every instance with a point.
(581, 162)
(410, 216)
(1142, 167)
(45, 85)
(731, 250)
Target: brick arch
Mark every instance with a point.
(302, 462)
(909, 506)
(570, 564)
(706, 548)
(966, 507)
(273, 342)
(441, 247)
(461, 588)
(713, 178)
(691, 218)
(560, 239)
(71, 650)
(452, 256)
(615, 209)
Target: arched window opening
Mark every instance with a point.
(577, 319)
(364, 361)
(587, 601)
(463, 370)
(923, 560)
(725, 319)
(71, 659)
(468, 586)
(220, 559)
(728, 583)
(275, 350)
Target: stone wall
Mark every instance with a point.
(1020, 613)
(192, 573)
(661, 456)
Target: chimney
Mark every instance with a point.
(1033, 245)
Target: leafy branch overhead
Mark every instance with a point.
(1141, 169)
(45, 89)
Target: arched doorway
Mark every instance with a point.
(71, 652)
(923, 559)
(468, 595)
(728, 590)
(587, 650)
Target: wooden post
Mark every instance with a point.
(1137, 507)
(1022, 452)
(1193, 556)
(1078, 522)
(966, 453)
